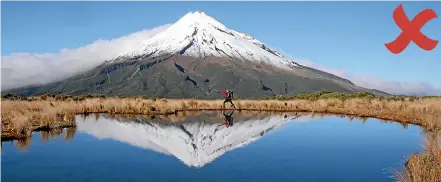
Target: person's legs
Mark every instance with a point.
(225, 101)
(231, 102)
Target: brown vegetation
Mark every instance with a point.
(21, 117)
(426, 166)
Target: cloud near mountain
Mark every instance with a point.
(21, 69)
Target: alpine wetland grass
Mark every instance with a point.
(426, 166)
(21, 116)
(51, 113)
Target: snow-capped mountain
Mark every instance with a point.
(195, 143)
(199, 35)
(191, 58)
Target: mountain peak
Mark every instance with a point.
(198, 18)
(198, 35)
(197, 13)
(200, 13)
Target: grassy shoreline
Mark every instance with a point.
(425, 166)
(22, 116)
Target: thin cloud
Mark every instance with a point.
(21, 69)
(393, 87)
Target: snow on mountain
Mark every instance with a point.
(199, 35)
(194, 143)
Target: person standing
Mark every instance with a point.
(228, 97)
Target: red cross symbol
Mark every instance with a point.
(411, 30)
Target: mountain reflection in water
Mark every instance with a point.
(195, 140)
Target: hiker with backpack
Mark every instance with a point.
(228, 97)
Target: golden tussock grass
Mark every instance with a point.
(19, 118)
(426, 166)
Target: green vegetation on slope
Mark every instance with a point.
(324, 94)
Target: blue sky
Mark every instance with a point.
(340, 35)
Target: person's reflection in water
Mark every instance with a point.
(228, 118)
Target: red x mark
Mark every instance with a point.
(411, 30)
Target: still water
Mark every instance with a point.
(214, 146)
